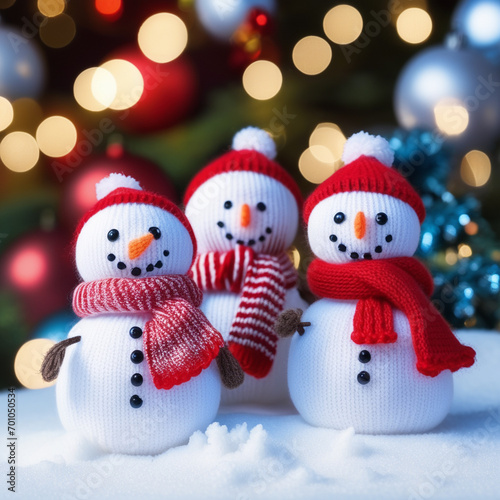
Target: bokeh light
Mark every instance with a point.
(312, 55)
(294, 257)
(343, 24)
(57, 32)
(451, 257)
(32, 259)
(163, 37)
(327, 143)
(451, 118)
(5, 4)
(103, 87)
(129, 84)
(82, 89)
(108, 7)
(414, 25)
(313, 169)
(464, 251)
(475, 168)
(28, 363)
(19, 151)
(56, 136)
(262, 80)
(483, 22)
(6, 113)
(51, 8)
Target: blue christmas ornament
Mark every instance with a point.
(22, 67)
(479, 21)
(453, 92)
(56, 327)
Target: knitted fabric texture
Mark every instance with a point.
(179, 342)
(400, 282)
(368, 175)
(263, 281)
(127, 195)
(244, 161)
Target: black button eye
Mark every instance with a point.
(381, 218)
(261, 206)
(113, 235)
(228, 204)
(155, 232)
(339, 218)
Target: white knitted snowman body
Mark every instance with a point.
(242, 202)
(105, 391)
(324, 367)
(333, 381)
(220, 308)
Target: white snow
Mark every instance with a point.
(271, 453)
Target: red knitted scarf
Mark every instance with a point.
(402, 283)
(262, 280)
(178, 341)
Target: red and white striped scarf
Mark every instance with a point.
(262, 280)
(178, 341)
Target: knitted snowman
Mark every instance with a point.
(139, 377)
(244, 209)
(375, 354)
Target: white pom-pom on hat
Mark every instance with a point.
(256, 139)
(115, 181)
(363, 143)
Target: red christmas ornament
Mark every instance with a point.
(38, 269)
(260, 21)
(170, 93)
(79, 188)
(251, 41)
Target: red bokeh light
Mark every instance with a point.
(108, 7)
(28, 268)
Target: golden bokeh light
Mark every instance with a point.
(327, 143)
(312, 55)
(51, 8)
(464, 251)
(129, 84)
(163, 37)
(82, 88)
(313, 169)
(19, 151)
(262, 80)
(475, 168)
(6, 113)
(28, 363)
(56, 136)
(451, 118)
(451, 257)
(103, 87)
(343, 24)
(294, 255)
(57, 32)
(414, 25)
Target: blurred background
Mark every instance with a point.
(157, 88)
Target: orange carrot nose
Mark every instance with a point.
(138, 246)
(360, 225)
(245, 216)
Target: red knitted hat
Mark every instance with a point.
(117, 188)
(368, 167)
(253, 150)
